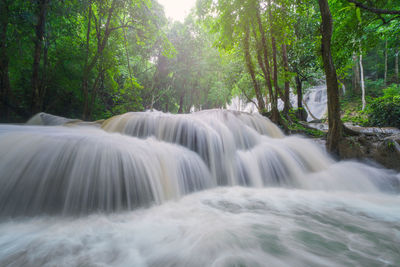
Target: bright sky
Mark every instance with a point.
(177, 9)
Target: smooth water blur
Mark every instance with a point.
(82, 170)
(155, 157)
(232, 226)
(212, 188)
(49, 120)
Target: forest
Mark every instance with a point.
(92, 59)
(246, 133)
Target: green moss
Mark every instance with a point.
(295, 126)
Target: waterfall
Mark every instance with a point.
(212, 188)
(82, 170)
(315, 101)
(143, 158)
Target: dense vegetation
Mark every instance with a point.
(92, 59)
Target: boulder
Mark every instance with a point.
(382, 149)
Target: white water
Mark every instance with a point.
(125, 195)
(48, 119)
(315, 98)
(81, 170)
(221, 227)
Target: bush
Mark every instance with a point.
(385, 110)
(374, 88)
(356, 117)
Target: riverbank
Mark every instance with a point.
(381, 145)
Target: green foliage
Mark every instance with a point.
(392, 91)
(144, 61)
(357, 118)
(374, 87)
(385, 110)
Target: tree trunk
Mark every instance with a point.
(250, 68)
(356, 75)
(127, 58)
(301, 113)
(335, 131)
(39, 34)
(85, 78)
(99, 79)
(266, 69)
(299, 92)
(386, 62)
(4, 78)
(181, 98)
(287, 85)
(89, 65)
(43, 82)
(362, 82)
(274, 102)
(396, 65)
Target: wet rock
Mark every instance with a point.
(382, 149)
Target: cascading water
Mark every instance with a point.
(61, 170)
(115, 196)
(314, 100)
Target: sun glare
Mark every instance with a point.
(177, 9)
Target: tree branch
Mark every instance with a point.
(248, 98)
(375, 10)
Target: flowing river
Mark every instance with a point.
(212, 188)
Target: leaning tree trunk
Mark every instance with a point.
(250, 68)
(4, 78)
(39, 34)
(335, 131)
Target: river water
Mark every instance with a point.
(213, 188)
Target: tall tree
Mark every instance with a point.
(40, 28)
(250, 68)
(103, 32)
(287, 81)
(335, 131)
(274, 106)
(356, 83)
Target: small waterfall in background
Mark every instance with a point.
(315, 102)
(210, 188)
